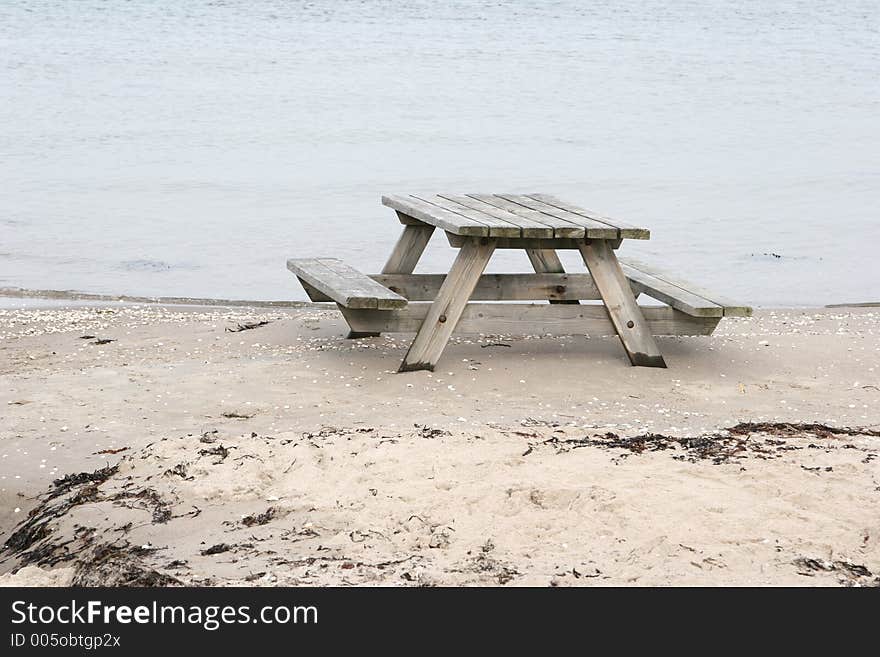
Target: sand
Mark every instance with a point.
(284, 454)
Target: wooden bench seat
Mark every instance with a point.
(333, 279)
(682, 296)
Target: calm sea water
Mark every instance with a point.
(189, 148)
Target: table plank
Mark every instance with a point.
(431, 214)
(556, 243)
(627, 231)
(497, 227)
(594, 228)
(529, 227)
(561, 227)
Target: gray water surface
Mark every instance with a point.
(189, 148)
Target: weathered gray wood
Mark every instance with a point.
(627, 231)
(496, 287)
(529, 319)
(636, 288)
(436, 216)
(403, 258)
(532, 214)
(362, 286)
(408, 250)
(345, 285)
(731, 308)
(625, 314)
(676, 297)
(545, 261)
(456, 241)
(497, 227)
(528, 227)
(311, 292)
(445, 311)
(561, 227)
(407, 220)
(490, 287)
(594, 228)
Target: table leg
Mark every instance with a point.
(546, 261)
(444, 313)
(403, 259)
(625, 314)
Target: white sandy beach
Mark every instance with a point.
(284, 454)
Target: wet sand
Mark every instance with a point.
(286, 454)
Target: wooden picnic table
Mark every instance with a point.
(540, 224)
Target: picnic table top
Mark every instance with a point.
(511, 216)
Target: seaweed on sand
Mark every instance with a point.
(721, 447)
(76, 489)
(793, 429)
(248, 326)
(32, 542)
(114, 565)
(718, 449)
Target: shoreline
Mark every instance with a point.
(62, 296)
